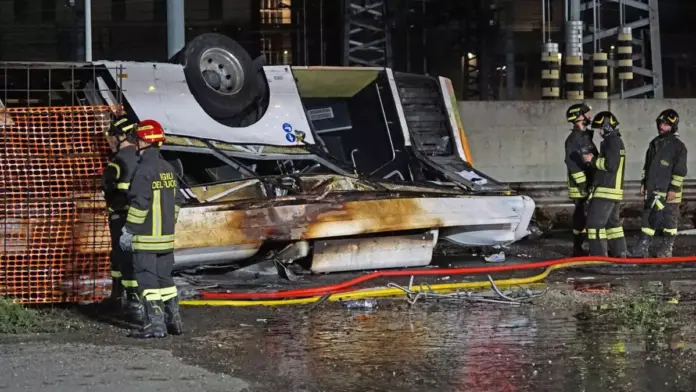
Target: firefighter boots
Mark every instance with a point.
(134, 308)
(598, 248)
(665, 246)
(154, 326)
(115, 300)
(642, 249)
(577, 246)
(173, 319)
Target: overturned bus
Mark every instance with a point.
(345, 168)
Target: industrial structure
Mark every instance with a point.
(490, 49)
(613, 31)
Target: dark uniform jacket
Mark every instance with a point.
(611, 165)
(580, 174)
(154, 200)
(665, 166)
(116, 178)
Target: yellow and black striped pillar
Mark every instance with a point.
(550, 72)
(600, 76)
(625, 54)
(574, 78)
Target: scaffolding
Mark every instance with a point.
(478, 33)
(366, 36)
(642, 17)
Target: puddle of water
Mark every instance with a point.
(452, 347)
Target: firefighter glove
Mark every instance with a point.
(126, 240)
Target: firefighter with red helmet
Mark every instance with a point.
(115, 182)
(154, 202)
(662, 186)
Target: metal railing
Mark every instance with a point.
(555, 209)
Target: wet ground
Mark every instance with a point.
(636, 334)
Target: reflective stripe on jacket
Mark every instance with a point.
(610, 165)
(154, 199)
(580, 174)
(117, 177)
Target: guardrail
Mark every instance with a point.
(555, 209)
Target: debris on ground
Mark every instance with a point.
(495, 257)
(586, 287)
(562, 297)
(186, 292)
(361, 304)
(511, 297)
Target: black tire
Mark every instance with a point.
(255, 111)
(220, 100)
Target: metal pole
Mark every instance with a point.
(425, 42)
(655, 49)
(304, 30)
(594, 26)
(574, 12)
(543, 21)
(622, 21)
(599, 22)
(321, 30)
(298, 49)
(548, 15)
(176, 33)
(510, 55)
(88, 30)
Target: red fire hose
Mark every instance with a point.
(344, 286)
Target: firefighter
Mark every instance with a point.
(580, 174)
(603, 218)
(115, 182)
(154, 201)
(661, 185)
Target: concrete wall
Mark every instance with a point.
(515, 141)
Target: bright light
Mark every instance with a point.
(612, 47)
(470, 55)
(151, 88)
(285, 52)
(560, 55)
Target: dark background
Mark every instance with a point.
(431, 36)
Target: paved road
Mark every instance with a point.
(71, 367)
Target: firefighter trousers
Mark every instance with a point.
(121, 261)
(665, 219)
(579, 221)
(153, 271)
(604, 229)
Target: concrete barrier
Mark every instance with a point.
(523, 141)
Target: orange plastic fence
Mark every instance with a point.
(54, 241)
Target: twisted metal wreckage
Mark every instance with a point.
(344, 168)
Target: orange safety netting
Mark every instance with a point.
(54, 239)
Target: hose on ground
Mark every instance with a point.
(611, 270)
(392, 291)
(347, 285)
(342, 295)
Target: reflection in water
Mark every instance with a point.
(453, 347)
